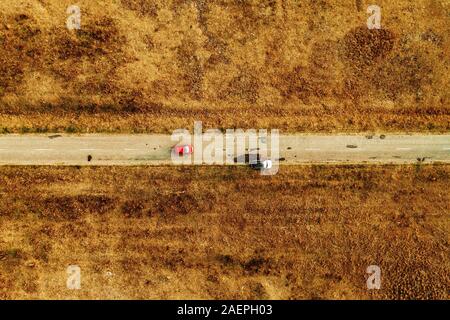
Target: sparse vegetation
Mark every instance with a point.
(225, 232)
(154, 66)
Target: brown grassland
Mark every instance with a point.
(225, 232)
(154, 66)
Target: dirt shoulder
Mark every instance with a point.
(224, 233)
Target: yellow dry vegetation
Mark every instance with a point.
(154, 66)
(309, 232)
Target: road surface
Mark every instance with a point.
(103, 149)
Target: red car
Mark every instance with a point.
(183, 150)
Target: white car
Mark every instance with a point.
(261, 165)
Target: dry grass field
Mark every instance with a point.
(225, 232)
(154, 66)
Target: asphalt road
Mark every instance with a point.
(156, 149)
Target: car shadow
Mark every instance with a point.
(247, 158)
